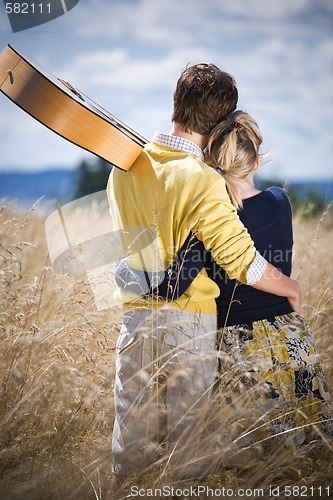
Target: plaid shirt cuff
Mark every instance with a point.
(256, 269)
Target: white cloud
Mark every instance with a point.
(118, 69)
(145, 20)
(264, 9)
(174, 22)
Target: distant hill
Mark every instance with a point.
(325, 188)
(24, 188)
(58, 186)
(303, 188)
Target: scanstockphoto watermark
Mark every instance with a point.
(292, 491)
(24, 15)
(196, 491)
(123, 265)
(83, 240)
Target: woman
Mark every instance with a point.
(255, 328)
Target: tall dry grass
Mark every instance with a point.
(57, 376)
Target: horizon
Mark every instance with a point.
(261, 174)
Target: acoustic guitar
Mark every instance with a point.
(62, 108)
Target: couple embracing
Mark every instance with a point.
(194, 186)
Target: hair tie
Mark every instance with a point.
(218, 169)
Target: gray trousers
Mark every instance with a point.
(165, 370)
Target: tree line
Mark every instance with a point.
(93, 177)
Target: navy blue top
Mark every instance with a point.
(268, 218)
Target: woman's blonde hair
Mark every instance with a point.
(233, 148)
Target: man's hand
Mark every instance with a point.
(273, 281)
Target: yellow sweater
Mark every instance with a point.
(171, 192)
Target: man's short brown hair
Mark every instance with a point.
(204, 96)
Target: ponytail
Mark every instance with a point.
(233, 148)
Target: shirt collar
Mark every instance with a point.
(173, 141)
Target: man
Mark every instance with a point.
(166, 362)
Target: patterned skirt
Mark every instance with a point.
(276, 367)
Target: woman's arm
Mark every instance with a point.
(171, 283)
(273, 281)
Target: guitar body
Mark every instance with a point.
(61, 108)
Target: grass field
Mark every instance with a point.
(57, 376)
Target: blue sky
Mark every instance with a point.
(127, 55)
